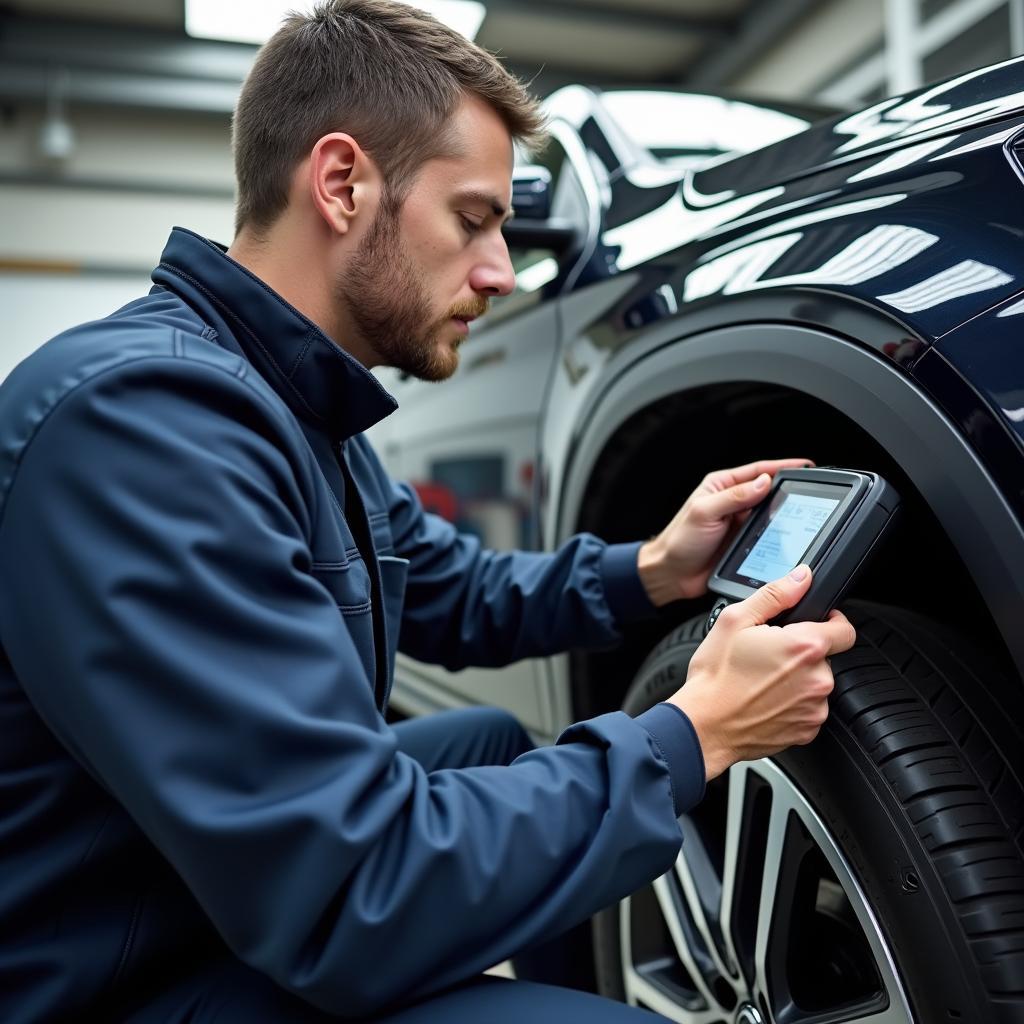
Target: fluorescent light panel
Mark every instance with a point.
(257, 20)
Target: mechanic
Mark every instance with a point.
(206, 573)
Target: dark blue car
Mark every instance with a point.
(853, 292)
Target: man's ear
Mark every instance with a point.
(344, 182)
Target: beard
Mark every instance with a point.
(388, 302)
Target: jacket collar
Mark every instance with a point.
(318, 380)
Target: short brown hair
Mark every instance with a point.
(388, 74)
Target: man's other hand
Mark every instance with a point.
(678, 562)
(753, 689)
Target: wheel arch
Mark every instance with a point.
(685, 380)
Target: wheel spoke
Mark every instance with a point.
(770, 878)
(893, 1014)
(642, 990)
(734, 825)
(669, 901)
(706, 941)
(702, 892)
(746, 829)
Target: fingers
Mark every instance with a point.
(729, 491)
(770, 600)
(722, 504)
(817, 717)
(840, 632)
(823, 639)
(752, 470)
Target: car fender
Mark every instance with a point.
(871, 390)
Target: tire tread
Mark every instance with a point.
(973, 814)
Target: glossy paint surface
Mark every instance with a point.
(894, 249)
(898, 230)
(927, 238)
(989, 352)
(985, 95)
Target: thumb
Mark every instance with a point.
(773, 598)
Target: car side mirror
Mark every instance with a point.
(532, 226)
(531, 192)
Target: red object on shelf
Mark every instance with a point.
(440, 500)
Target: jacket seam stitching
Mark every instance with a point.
(335, 351)
(231, 315)
(300, 355)
(129, 940)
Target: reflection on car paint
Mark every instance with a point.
(1014, 309)
(960, 103)
(665, 121)
(897, 161)
(965, 278)
(852, 208)
(873, 254)
(997, 139)
(672, 225)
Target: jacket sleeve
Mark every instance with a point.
(466, 605)
(158, 610)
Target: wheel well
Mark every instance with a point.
(657, 456)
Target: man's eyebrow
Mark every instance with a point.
(487, 199)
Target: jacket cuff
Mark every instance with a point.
(624, 593)
(676, 739)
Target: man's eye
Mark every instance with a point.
(470, 226)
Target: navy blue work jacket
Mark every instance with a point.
(204, 574)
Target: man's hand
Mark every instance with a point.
(678, 562)
(752, 689)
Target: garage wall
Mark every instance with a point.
(79, 238)
(832, 37)
(129, 178)
(38, 306)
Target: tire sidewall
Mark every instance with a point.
(900, 888)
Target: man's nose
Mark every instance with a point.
(493, 275)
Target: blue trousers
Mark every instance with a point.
(230, 992)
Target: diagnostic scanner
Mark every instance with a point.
(829, 519)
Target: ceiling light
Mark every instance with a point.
(56, 136)
(258, 20)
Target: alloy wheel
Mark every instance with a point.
(761, 921)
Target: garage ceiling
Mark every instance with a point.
(110, 53)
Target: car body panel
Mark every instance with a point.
(982, 349)
(880, 234)
(975, 98)
(939, 461)
(476, 448)
(915, 236)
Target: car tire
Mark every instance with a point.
(874, 875)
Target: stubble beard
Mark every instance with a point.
(389, 304)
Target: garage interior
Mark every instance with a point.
(114, 120)
(115, 126)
